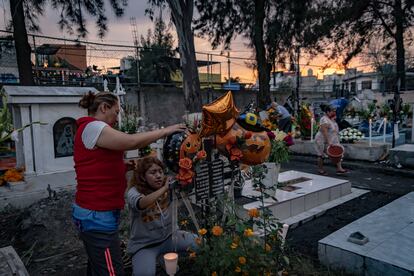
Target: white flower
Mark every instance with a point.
(15, 136)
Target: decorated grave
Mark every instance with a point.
(227, 165)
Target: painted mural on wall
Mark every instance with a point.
(63, 136)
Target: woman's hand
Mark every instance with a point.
(174, 128)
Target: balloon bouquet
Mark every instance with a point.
(239, 137)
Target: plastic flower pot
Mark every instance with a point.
(335, 153)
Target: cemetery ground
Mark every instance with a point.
(44, 237)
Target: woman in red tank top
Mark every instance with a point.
(101, 181)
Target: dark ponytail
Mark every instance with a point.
(326, 108)
(91, 101)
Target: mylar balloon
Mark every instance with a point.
(179, 145)
(256, 146)
(219, 116)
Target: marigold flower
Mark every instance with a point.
(185, 163)
(217, 230)
(268, 248)
(192, 255)
(185, 176)
(235, 154)
(184, 222)
(242, 260)
(234, 245)
(248, 232)
(202, 154)
(214, 273)
(254, 213)
(13, 175)
(238, 269)
(202, 231)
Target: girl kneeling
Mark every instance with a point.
(151, 222)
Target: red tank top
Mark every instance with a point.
(100, 174)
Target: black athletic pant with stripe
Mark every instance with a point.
(104, 253)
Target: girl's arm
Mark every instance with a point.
(149, 199)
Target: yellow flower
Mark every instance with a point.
(238, 269)
(234, 245)
(248, 232)
(242, 260)
(193, 255)
(254, 213)
(184, 222)
(217, 230)
(202, 231)
(214, 273)
(268, 248)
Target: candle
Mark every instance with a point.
(171, 260)
(385, 129)
(312, 129)
(370, 132)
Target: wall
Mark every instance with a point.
(165, 105)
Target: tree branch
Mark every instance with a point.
(383, 23)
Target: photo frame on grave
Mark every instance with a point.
(209, 180)
(63, 136)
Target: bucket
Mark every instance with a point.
(335, 153)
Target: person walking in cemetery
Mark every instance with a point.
(285, 120)
(328, 134)
(150, 209)
(101, 180)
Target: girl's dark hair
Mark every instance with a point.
(326, 108)
(142, 166)
(91, 101)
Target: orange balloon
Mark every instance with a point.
(219, 116)
(256, 149)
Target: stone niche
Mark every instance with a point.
(45, 148)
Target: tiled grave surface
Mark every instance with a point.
(316, 191)
(390, 250)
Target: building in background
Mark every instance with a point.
(60, 63)
(9, 72)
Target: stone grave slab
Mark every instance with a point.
(403, 155)
(390, 249)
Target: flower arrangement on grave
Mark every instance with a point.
(280, 142)
(350, 135)
(272, 118)
(304, 120)
(12, 175)
(130, 119)
(234, 246)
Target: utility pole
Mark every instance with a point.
(228, 67)
(140, 97)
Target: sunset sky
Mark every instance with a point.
(120, 33)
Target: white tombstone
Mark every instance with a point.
(44, 149)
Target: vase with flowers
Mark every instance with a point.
(279, 153)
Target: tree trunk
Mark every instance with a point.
(263, 68)
(182, 15)
(21, 43)
(399, 41)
